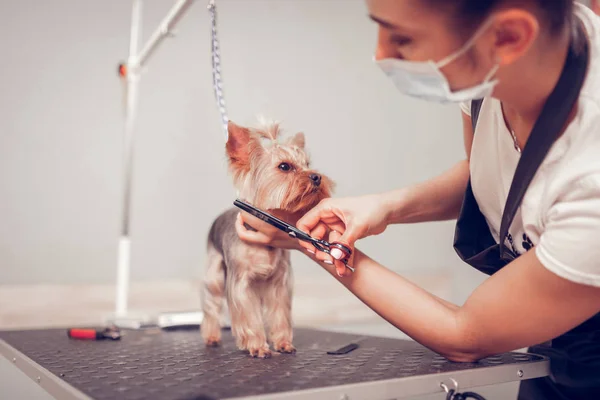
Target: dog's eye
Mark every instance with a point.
(285, 167)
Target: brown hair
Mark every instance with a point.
(470, 13)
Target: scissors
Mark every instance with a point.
(292, 231)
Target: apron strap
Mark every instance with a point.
(546, 130)
(475, 108)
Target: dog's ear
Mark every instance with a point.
(238, 145)
(298, 140)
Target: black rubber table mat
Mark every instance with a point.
(155, 364)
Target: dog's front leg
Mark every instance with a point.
(212, 300)
(246, 317)
(278, 309)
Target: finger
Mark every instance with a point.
(320, 232)
(337, 226)
(324, 257)
(324, 213)
(252, 221)
(248, 235)
(348, 239)
(310, 220)
(309, 248)
(340, 267)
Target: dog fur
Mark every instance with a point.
(256, 281)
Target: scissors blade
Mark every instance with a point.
(274, 221)
(291, 230)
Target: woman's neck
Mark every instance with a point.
(530, 81)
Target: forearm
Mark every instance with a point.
(424, 317)
(493, 319)
(437, 199)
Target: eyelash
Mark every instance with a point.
(401, 40)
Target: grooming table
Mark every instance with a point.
(175, 365)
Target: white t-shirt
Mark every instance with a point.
(560, 214)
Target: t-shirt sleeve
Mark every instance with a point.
(569, 244)
(465, 107)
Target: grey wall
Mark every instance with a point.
(305, 62)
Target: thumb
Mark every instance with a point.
(348, 239)
(249, 235)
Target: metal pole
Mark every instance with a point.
(164, 29)
(135, 62)
(132, 77)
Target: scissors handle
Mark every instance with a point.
(344, 249)
(321, 245)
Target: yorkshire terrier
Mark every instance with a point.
(257, 281)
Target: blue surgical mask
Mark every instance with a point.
(425, 80)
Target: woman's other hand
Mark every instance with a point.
(265, 234)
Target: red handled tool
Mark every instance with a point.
(111, 333)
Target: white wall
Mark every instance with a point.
(306, 62)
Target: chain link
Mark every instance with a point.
(216, 66)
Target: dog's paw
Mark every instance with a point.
(212, 341)
(285, 347)
(260, 352)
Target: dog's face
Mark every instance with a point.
(272, 175)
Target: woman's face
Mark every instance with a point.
(414, 31)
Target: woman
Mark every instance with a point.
(546, 292)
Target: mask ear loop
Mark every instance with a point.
(466, 46)
(493, 71)
(490, 75)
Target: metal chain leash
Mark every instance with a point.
(216, 66)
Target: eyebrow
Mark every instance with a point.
(384, 23)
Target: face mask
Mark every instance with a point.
(426, 81)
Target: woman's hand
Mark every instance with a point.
(265, 234)
(344, 221)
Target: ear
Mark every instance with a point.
(298, 140)
(238, 145)
(515, 32)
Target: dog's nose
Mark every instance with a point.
(316, 179)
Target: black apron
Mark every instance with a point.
(574, 356)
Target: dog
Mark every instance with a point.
(256, 280)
